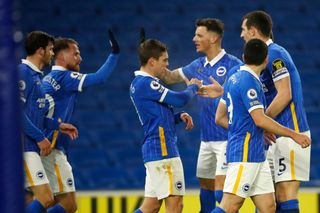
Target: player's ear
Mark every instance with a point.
(41, 51)
(151, 61)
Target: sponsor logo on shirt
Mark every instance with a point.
(41, 102)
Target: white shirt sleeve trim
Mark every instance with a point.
(81, 82)
(223, 101)
(163, 95)
(281, 77)
(255, 107)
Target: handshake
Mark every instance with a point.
(212, 90)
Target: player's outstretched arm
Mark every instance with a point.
(186, 118)
(268, 124)
(180, 99)
(102, 74)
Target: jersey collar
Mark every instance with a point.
(247, 69)
(57, 67)
(31, 65)
(215, 59)
(142, 73)
(269, 41)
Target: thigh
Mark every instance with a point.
(240, 178)
(231, 202)
(164, 178)
(59, 172)
(222, 165)
(263, 183)
(206, 165)
(291, 161)
(35, 174)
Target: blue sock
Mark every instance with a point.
(35, 207)
(290, 206)
(218, 195)
(278, 207)
(256, 211)
(137, 211)
(218, 210)
(56, 209)
(207, 200)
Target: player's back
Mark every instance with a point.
(156, 118)
(243, 93)
(281, 65)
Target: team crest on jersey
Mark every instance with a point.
(246, 188)
(40, 175)
(22, 85)
(252, 94)
(221, 71)
(76, 75)
(179, 185)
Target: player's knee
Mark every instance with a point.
(176, 208)
(268, 207)
(46, 200)
(207, 183)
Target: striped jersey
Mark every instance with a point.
(280, 66)
(61, 87)
(243, 93)
(34, 103)
(154, 105)
(202, 69)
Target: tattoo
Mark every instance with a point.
(172, 77)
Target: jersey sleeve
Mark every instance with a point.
(277, 66)
(73, 81)
(31, 130)
(25, 86)
(251, 95)
(189, 70)
(157, 92)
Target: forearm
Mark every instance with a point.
(272, 126)
(31, 130)
(171, 77)
(180, 99)
(278, 104)
(103, 73)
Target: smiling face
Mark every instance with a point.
(203, 39)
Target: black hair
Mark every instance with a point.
(150, 48)
(36, 40)
(255, 52)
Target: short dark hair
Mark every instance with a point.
(255, 52)
(63, 44)
(150, 48)
(213, 25)
(36, 40)
(260, 20)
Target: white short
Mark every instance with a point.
(291, 162)
(248, 179)
(212, 159)
(164, 178)
(35, 174)
(59, 172)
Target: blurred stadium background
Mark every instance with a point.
(107, 158)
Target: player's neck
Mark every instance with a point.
(256, 69)
(34, 59)
(213, 52)
(147, 70)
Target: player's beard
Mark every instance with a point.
(73, 67)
